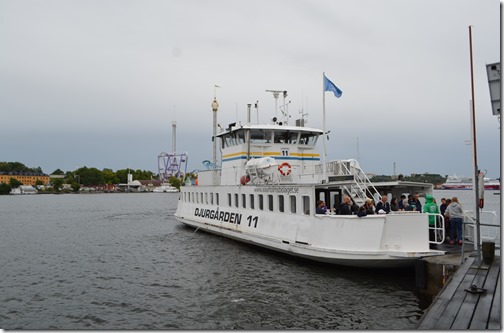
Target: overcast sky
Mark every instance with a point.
(98, 83)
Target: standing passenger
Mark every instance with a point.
(456, 217)
(431, 207)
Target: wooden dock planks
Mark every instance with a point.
(456, 308)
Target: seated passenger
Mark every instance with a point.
(347, 207)
(401, 201)
(383, 205)
(367, 208)
(321, 207)
(394, 205)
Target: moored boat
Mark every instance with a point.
(266, 190)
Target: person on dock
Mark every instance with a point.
(431, 207)
(456, 214)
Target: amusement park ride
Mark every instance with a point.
(172, 164)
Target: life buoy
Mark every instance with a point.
(282, 171)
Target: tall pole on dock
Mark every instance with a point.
(475, 157)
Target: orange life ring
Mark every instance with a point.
(281, 169)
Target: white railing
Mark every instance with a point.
(361, 183)
(439, 230)
(488, 222)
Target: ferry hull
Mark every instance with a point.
(352, 258)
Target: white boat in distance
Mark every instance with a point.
(465, 183)
(266, 190)
(165, 188)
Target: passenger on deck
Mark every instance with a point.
(416, 200)
(383, 205)
(447, 220)
(401, 201)
(347, 207)
(456, 214)
(321, 207)
(407, 206)
(367, 208)
(431, 207)
(394, 205)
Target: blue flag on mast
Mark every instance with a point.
(329, 86)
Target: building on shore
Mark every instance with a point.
(27, 178)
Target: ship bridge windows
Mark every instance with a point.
(287, 137)
(309, 139)
(260, 136)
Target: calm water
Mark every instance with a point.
(121, 261)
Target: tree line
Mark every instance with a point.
(83, 176)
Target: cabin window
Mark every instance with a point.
(217, 199)
(236, 200)
(201, 197)
(281, 207)
(197, 197)
(293, 204)
(206, 198)
(211, 198)
(251, 201)
(306, 204)
(285, 137)
(270, 202)
(260, 136)
(229, 199)
(244, 200)
(260, 198)
(308, 139)
(240, 137)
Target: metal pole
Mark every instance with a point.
(323, 129)
(475, 156)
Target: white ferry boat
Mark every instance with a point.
(165, 188)
(465, 183)
(266, 190)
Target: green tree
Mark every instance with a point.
(13, 182)
(122, 175)
(89, 176)
(110, 177)
(5, 188)
(75, 187)
(57, 183)
(175, 182)
(57, 172)
(38, 182)
(13, 166)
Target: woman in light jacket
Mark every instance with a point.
(456, 214)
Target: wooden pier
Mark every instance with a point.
(459, 307)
